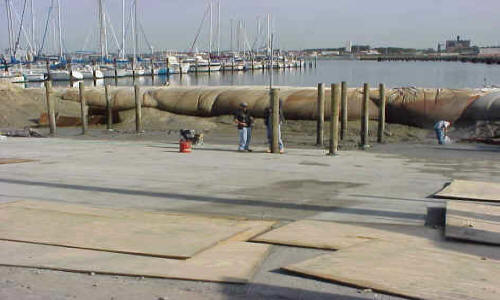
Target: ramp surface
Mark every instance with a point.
(473, 221)
(327, 235)
(471, 190)
(408, 270)
(126, 231)
(233, 262)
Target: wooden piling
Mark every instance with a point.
(334, 121)
(47, 65)
(70, 78)
(50, 107)
(275, 104)
(168, 68)
(133, 69)
(152, 72)
(343, 110)
(365, 116)
(138, 109)
(321, 115)
(116, 71)
(84, 109)
(381, 118)
(109, 108)
(94, 75)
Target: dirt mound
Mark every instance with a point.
(21, 107)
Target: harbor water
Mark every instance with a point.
(355, 72)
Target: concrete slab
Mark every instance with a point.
(471, 190)
(473, 222)
(233, 262)
(420, 271)
(126, 231)
(388, 183)
(332, 235)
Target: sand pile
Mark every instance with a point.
(21, 107)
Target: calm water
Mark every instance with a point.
(393, 74)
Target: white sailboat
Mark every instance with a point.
(11, 77)
(88, 72)
(34, 75)
(63, 75)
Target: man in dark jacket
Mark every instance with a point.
(268, 113)
(244, 122)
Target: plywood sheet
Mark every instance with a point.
(473, 221)
(471, 190)
(127, 231)
(327, 235)
(4, 161)
(233, 262)
(422, 272)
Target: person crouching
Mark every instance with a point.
(441, 129)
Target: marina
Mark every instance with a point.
(235, 149)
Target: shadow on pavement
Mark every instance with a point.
(200, 198)
(265, 291)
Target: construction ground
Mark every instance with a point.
(389, 188)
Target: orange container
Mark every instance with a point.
(184, 146)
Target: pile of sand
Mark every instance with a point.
(20, 107)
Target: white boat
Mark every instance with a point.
(34, 75)
(11, 77)
(148, 72)
(201, 65)
(109, 71)
(175, 67)
(61, 75)
(234, 66)
(88, 73)
(139, 72)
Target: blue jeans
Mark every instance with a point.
(270, 136)
(245, 138)
(440, 135)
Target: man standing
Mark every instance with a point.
(244, 121)
(268, 113)
(441, 128)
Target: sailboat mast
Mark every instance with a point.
(231, 38)
(123, 30)
(211, 29)
(9, 26)
(101, 29)
(59, 28)
(268, 33)
(218, 28)
(105, 31)
(33, 41)
(136, 31)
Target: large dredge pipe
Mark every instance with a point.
(411, 106)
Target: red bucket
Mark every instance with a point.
(184, 146)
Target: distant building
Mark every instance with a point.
(359, 48)
(329, 53)
(369, 52)
(489, 51)
(458, 45)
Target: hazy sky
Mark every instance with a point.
(172, 24)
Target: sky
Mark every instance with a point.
(298, 24)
